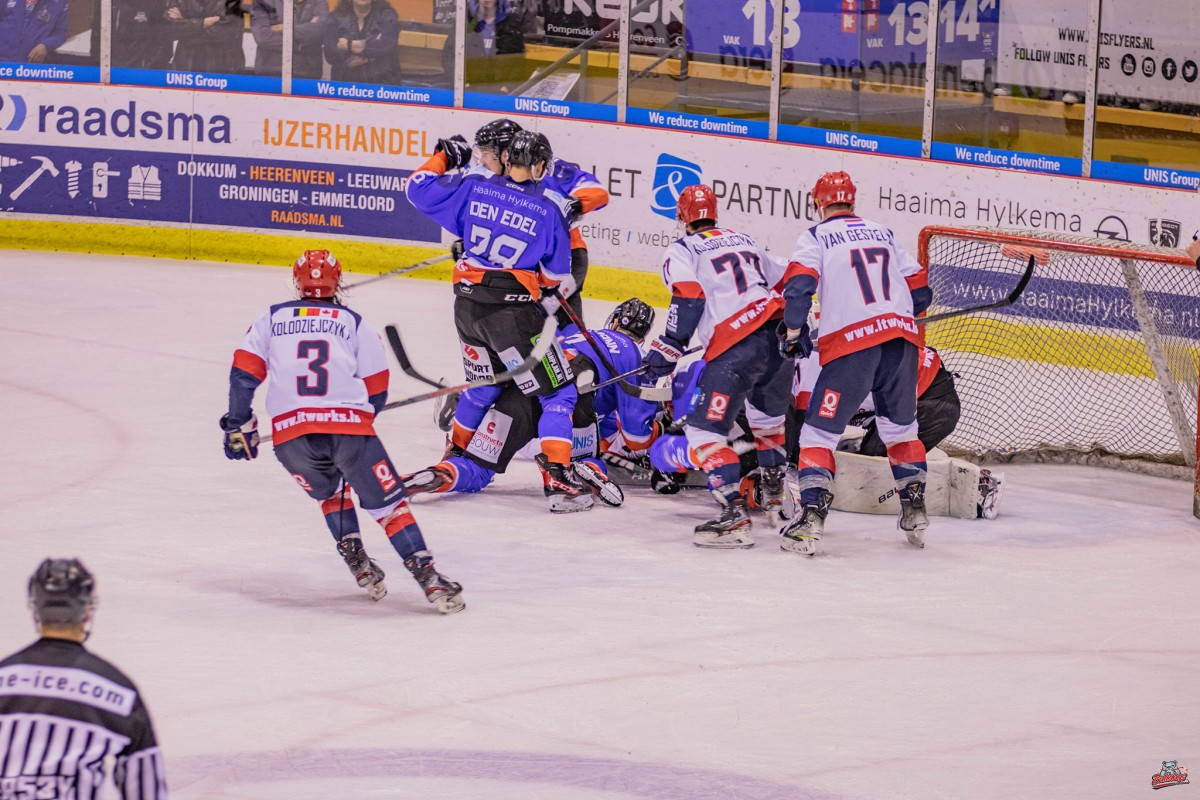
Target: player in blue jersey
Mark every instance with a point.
(516, 247)
(621, 419)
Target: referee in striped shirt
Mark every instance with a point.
(64, 711)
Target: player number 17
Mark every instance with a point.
(860, 259)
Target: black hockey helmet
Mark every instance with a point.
(633, 316)
(529, 148)
(61, 592)
(497, 135)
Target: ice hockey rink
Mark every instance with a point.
(1053, 652)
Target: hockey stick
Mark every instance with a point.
(401, 270)
(652, 394)
(393, 337)
(542, 346)
(1007, 301)
(591, 387)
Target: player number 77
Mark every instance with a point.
(733, 261)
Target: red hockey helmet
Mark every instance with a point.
(833, 188)
(317, 274)
(696, 202)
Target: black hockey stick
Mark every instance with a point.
(591, 387)
(651, 394)
(542, 346)
(406, 365)
(1007, 301)
(401, 270)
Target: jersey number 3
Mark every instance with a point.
(316, 352)
(859, 259)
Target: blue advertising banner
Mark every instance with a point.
(866, 143)
(697, 123)
(49, 72)
(174, 79)
(369, 91)
(539, 105)
(1140, 173)
(843, 32)
(1007, 159)
(1062, 301)
(210, 190)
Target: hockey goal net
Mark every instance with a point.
(1097, 361)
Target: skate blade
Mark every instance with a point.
(739, 543)
(916, 537)
(807, 547)
(449, 604)
(564, 504)
(377, 591)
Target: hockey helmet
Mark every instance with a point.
(61, 592)
(317, 274)
(497, 135)
(529, 148)
(696, 203)
(833, 188)
(633, 316)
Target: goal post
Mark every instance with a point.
(1097, 361)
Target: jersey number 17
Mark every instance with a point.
(859, 259)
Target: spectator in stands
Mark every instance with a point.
(266, 23)
(362, 42)
(30, 30)
(141, 38)
(209, 34)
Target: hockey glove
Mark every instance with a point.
(793, 344)
(667, 482)
(457, 150)
(556, 295)
(241, 441)
(574, 210)
(663, 355)
(457, 249)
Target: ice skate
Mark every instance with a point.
(367, 573)
(776, 500)
(802, 535)
(430, 479)
(912, 519)
(445, 594)
(991, 488)
(731, 530)
(608, 492)
(564, 491)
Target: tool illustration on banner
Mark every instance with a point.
(100, 175)
(73, 168)
(8, 161)
(46, 165)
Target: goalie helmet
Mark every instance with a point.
(61, 592)
(696, 203)
(317, 275)
(633, 316)
(497, 135)
(833, 188)
(528, 148)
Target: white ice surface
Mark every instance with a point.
(1050, 653)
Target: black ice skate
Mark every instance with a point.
(731, 530)
(608, 492)
(564, 491)
(430, 479)
(366, 572)
(776, 501)
(807, 529)
(913, 520)
(445, 594)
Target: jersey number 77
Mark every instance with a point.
(733, 261)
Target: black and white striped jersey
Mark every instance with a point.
(64, 713)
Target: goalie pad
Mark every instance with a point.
(864, 484)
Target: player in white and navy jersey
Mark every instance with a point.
(870, 290)
(722, 292)
(516, 245)
(64, 711)
(329, 378)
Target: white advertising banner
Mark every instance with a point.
(334, 167)
(1145, 56)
